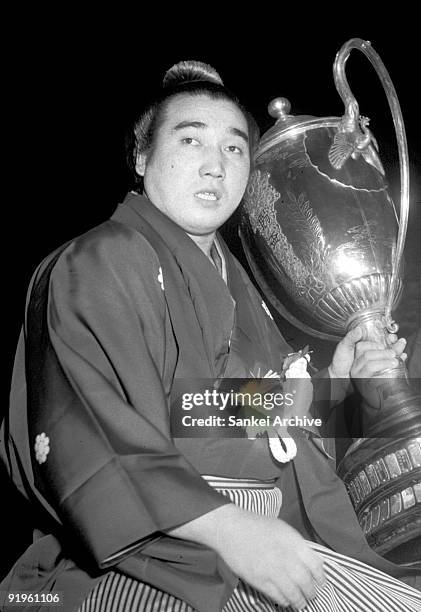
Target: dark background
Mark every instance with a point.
(75, 91)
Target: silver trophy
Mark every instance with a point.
(323, 239)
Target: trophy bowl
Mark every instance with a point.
(323, 239)
(326, 234)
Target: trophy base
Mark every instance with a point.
(383, 478)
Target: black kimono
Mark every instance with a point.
(114, 317)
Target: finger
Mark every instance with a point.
(292, 593)
(392, 338)
(396, 345)
(399, 346)
(274, 594)
(305, 583)
(366, 345)
(281, 600)
(317, 570)
(374, 368)
(353, 336)
(374, 355)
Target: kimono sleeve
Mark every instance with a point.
(98, 346)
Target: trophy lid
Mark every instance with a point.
(288, 126)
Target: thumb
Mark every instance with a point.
(352, 337)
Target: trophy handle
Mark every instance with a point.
(351, 122)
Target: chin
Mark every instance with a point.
(203, 225)
(201, 231)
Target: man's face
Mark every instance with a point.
(199, 166)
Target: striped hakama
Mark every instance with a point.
(351, 586)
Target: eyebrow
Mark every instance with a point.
(201, 125)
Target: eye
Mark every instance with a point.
(235, 149)
(188, 140)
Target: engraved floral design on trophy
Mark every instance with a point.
(308, 274)
(314, 250)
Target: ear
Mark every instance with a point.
(141, 164)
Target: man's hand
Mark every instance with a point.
(363, 359)
(265, 552)
(273, 557)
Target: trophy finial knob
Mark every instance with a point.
(279, 108)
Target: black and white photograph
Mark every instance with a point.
(212, 391)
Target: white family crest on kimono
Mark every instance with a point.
(42, 447)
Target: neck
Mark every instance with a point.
(203, 242)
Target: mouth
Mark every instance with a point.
(210, 196)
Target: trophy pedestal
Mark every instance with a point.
(382, 472)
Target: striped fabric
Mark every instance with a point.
(351, 585)
(260, 496)
(119, 593)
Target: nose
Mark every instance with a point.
(213, 165)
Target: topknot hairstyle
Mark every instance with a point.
(186, 77)
(190, 71)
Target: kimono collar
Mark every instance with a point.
(194, 275)
(177, 240)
